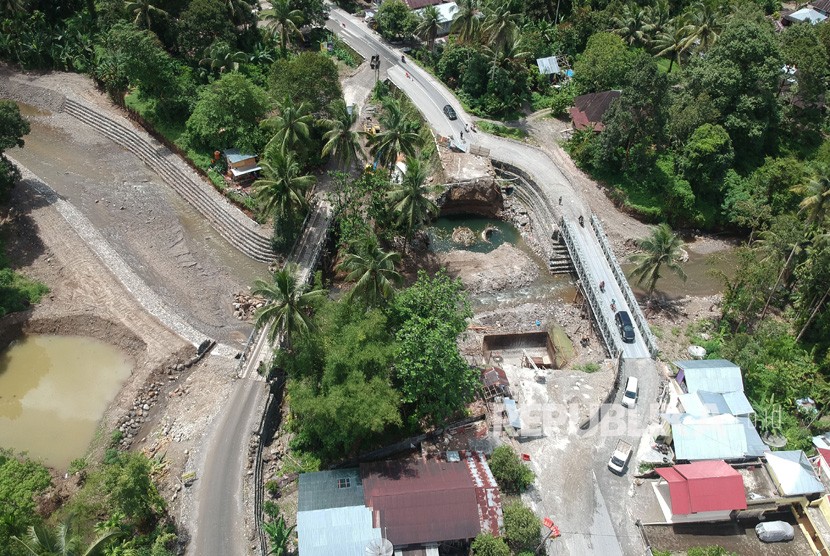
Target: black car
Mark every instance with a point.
(626, 328)
(450, 113)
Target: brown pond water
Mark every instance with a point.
(53, 392)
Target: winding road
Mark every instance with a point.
(592, 509)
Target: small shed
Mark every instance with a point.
(241, 167)
(548, 66)
(792, 473)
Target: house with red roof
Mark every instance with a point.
(413, 505)
(589, 110)
(700, 491)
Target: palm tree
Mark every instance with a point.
(399, 135)
(144, 11)
(816, 197)
(815, 203)
(219, 57)
(290, 125)
(287, 306)
(465, 22)
(409, 199)
(239, 10)
(40, 541)
(508, 55)
(429, 25)
(11, 7)
(671, 43)
(501, 24)
(341, 140)
(704, 26)
(286, 20)
(661, 247)
(631, 25)
(373, 271)
(283, 192)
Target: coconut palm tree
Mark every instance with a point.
(283, 191)
(220, 58)
(704, 25)
(288, 305)
(341, 140)
(815, 203)
(662, 247)
(239, 10)
(373, 272)
(465, 23)
(501, 24)
(428, 26)
(399, 135)
(290, 125)
(816, 197)
(145, 12)
(508, 55)
(12, 6)
(40, 541)
(631, 25)
(409, 199)
(286, 20)
(671, 43)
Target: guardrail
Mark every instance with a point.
(622, 281)
(609, 333)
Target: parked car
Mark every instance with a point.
(626, 327)
(450, 112)
(619, 459)
(632, 391)
(775, 531)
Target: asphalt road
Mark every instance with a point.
(609, 530)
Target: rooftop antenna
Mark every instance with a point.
(380, 547)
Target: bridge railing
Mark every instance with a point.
(622, 281)
(609, 333)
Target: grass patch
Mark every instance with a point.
(503, 131)
(17, 291)
(588, 367)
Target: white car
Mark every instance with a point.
(632, 391)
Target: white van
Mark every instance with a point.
(632, 390)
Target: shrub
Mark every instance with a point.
(487, 545)
(522, 529)
(512, 475)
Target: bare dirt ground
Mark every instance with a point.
(164, 407)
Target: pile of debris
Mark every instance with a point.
(130, 423)
(244, 305)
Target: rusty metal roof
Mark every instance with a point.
(428, 500)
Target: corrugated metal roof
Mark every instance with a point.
(821, 5)
(512, 413)
(424, 501)
(342, 531)
(590, 108)
(705, 486)
(806, 15)
(548, 66)
(716, 437)
(235, 156)
(327, 489)
(711, 375)
(793, 473)
(704, 404)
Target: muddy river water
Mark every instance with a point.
(53, 391)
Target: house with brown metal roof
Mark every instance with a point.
(588, 110)
(418, 4)
(414, 504)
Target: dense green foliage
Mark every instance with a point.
(512, 475)
(395, 20)
(522, 528)
(486, 544)
(20, 481)
(12, 129)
